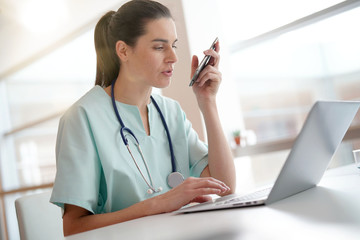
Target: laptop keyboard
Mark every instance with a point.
(249, 197)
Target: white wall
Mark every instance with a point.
(179, 89)
(204, 25)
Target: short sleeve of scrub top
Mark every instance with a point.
(94, 168)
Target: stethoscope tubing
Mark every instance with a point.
(151, 184)
(168, 134)
(124, 129)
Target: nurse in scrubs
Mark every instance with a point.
(100, 181)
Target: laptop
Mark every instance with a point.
(314, 147)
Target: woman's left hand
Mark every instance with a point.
(207, 84)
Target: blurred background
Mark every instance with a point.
(277, 58)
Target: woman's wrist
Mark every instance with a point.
(152, 206)
(207, 104)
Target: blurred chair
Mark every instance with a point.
(38, 219)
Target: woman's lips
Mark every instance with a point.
(168, 73)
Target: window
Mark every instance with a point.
(279, 79)
(32, 101)
(278, 58)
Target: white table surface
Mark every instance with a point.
(329, 211)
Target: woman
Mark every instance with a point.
(99, 180)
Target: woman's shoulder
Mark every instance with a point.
(95, 95)
(93, 100)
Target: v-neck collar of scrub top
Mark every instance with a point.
(134, 118)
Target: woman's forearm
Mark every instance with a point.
(77, 220)
(221, 164)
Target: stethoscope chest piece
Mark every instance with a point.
(174, 179)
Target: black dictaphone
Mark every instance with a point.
(202, 64)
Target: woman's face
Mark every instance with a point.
(151, 62)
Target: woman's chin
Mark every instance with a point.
(163, 84)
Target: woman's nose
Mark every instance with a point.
(172, 57)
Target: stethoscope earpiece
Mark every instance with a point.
(151, 191)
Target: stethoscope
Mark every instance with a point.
(174, 178)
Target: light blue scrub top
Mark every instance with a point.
(94, 168)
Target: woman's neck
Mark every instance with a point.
(135, 95)
(131, 93)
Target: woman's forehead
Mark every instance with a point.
(163, 28)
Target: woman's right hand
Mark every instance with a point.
(191, 190)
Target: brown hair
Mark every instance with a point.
(127, 24)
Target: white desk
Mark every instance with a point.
(329, 211)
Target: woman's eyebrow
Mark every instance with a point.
(163, 40)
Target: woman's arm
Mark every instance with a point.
(77, 219)
(221, 164)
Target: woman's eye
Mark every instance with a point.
(161, 48)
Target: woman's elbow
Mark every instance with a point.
(74, 220)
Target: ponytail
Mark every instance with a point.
(107, 62)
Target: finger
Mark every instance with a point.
(217, 46)
(194, 65)
(215, 57)
(209, 69)
(202, 198)
(208, 191)
(224, 186)
(209, 183)
(208, 76)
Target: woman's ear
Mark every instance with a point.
(122, 50)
